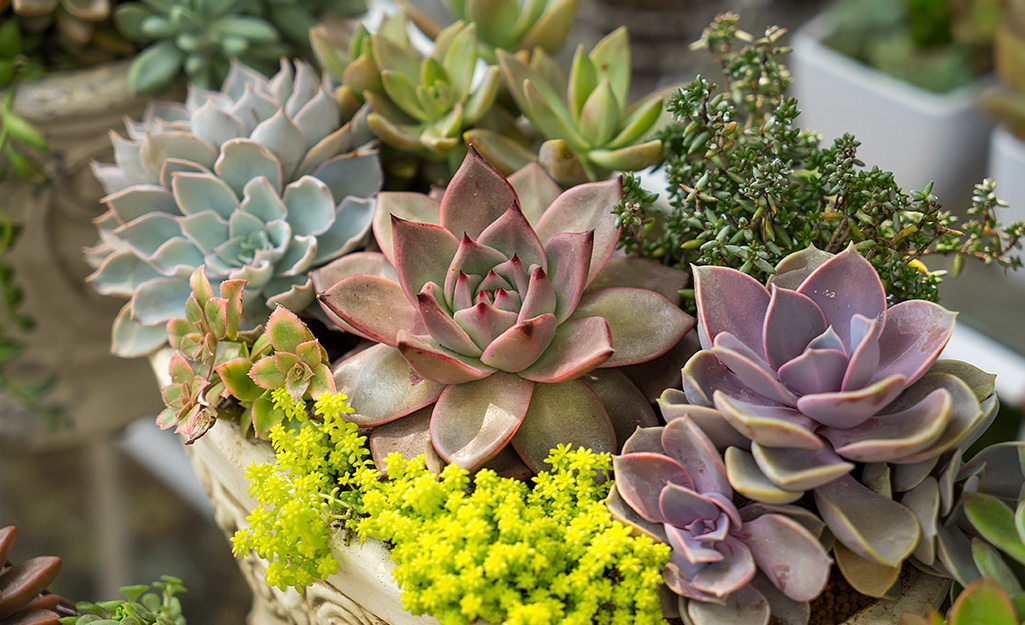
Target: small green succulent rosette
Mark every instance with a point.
(258, 181)
(508, 25)
(589, 127)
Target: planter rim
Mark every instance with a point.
(92, 90)
(808, 42)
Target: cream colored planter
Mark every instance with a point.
(76, 111)
(918, 135)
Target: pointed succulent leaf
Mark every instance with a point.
(473, 421)
(382, 387)
(611, 58)
(545, 425)
(439, 364)
(579, 346)
(640, 478)
(234, 374)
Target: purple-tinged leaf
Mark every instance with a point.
(545, 424)
(415, 207)
(681, 506)
(640, 478)
(847, 409)
(794, 268)
(24, 580)
(569, 258)
(915, 333)
(727, 576)
(634, 271)
(789, 555)
(865, 355)
(423, 253)
(473, 259)
(774, 426)
(673, 405)
(512, 235)
(815, 371)
(954, 552)
(751, 369)
(749, 481)
(843, 286)
(664, 326)
(583, 208)
(866, 576)
(893, 436)
(535, 189)
(475, 198)
(684, 441)
(539, 298)
(624, 513)
(792, 321)
(924, 502)
(966, 415)
(645, 440)
(579, 346)
(783, 609)
(800, 469)
(704, 374)
(730, 301)
(376, 307)
(439, 324)
(436, 363)
(483, 322)
(409, 436)
(1004, 469)
(521, 345)
(872, 526)
(473, 421)
(382, 386)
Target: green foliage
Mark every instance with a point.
(747, 187)
(912, 40)
(145, 605)
(983, 602)
(308, 491)
(496, 549)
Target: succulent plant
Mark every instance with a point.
(670, 482)
(809, 377)
(983, 602)
(24, 599)
(512, 26)
(589, 127)
(500, 322)
(295, 18)
(62, 33)
(425, 102)
(154, 604)
(255, 182)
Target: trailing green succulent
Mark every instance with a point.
(508, 553)
(507, 24)
(589, 127)
(155, 604)
(309, 489)
(747, 187)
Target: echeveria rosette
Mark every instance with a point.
(812, 376)
(489, 323)
(258, 182)
(670, 482)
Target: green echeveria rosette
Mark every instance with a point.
(256, 182)
(589, 127)
(504, 319)
(809, 378)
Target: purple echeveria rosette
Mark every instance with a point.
(728, 565)
(488, 326)
(813, 376)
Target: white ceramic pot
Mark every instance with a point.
(76, 111)
(918, 135)
(1006, 166)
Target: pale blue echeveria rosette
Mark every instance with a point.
(259, 181)
(807, 381)
(501, 315)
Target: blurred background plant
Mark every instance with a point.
(1008, 103)
(937, 45)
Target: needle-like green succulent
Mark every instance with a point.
(589, 127)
